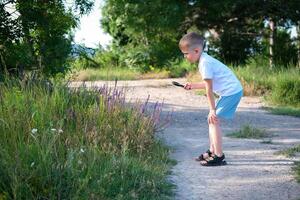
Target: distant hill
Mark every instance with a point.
(78, 49)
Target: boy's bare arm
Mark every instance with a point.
(190, 86)
(212, 117)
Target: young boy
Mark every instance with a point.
(219, 79)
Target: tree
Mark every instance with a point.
(145, 32)
(234, 35)
(237, 28)
(35, 35)
(239, 25)
(284, 49)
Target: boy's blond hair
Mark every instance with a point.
(191, 40)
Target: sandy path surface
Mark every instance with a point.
(253, 171)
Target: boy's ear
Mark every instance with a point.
(199, 50)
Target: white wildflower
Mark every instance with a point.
(34, 130)
(81, 150)
(32, 164)
(53, 129)
(60, 131)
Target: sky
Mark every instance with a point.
(90, 32)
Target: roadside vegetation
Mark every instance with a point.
(249, 132)
(58, 143)
(61, 143)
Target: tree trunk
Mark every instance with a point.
(5, 71)
(298, 40)
(271, 42)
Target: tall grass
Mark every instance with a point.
(256, 81)
(117, 73)
(106, 74)
(81, 144)
(173, 69)
(281, 87)
(286, 89)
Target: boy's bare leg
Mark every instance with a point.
(215, 134)
(211, 145)
(211, 148)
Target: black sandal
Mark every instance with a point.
(215, 161)
(201, 157)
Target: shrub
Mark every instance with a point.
(179, 68)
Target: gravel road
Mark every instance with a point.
(253, 170)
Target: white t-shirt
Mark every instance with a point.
(225, 83)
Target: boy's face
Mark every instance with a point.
(191, 54)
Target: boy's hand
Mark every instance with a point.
(188, 86)
(212, 117)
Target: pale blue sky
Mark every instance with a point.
(90, 32)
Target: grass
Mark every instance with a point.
(117, 73)
(256, 81)
(172, 69)
(249, 132)
(106, 74)
(284, 111)
(296, 169)
(80, 144)
(290, 152)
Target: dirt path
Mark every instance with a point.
(253, 171)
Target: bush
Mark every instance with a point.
(179, 68)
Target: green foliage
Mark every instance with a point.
(106, 74)
(286, 90)
(285, 50)
(234, 48)
(256, 81)
(83, 144)
(249, 132)
(144, 39)
(290, 151)
(297, 171)
(286, 110)
(179, 68)
(40, 38)
(280, 86)
(107, 58)
(236, 28)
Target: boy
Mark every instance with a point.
(217, 78)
